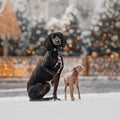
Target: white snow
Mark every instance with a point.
(102, 106)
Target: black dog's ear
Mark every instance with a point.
(63, 39)
(48, 43)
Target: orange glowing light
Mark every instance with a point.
(112, 56)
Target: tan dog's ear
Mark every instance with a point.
(74, 69)
(82, 68)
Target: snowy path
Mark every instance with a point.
(102, 106)
(99, 84)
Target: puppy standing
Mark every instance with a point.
(71, 79)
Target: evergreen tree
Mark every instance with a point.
(33, 33)
(105, 32)
(18, 46)
(72, 31)
(69, 26)
(37, 38)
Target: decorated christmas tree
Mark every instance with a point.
(69, 26)
(9, 27)
(33, 29)
(37, 38)
(72, 31)
(18, 46)
(105, 31)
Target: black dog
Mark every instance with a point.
(48, 69)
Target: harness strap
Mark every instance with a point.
(74, 78)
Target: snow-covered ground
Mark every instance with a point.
(92, 106)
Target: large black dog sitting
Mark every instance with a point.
(47, 69)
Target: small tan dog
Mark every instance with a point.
(71, 79)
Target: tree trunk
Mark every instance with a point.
(5, 47)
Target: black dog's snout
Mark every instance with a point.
(58, 41)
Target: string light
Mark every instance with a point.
(12, 68)
(112, 56)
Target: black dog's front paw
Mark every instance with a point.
(57, 99)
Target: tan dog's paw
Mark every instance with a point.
(72, 98)
(79, 96)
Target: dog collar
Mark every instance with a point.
(74, 78)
